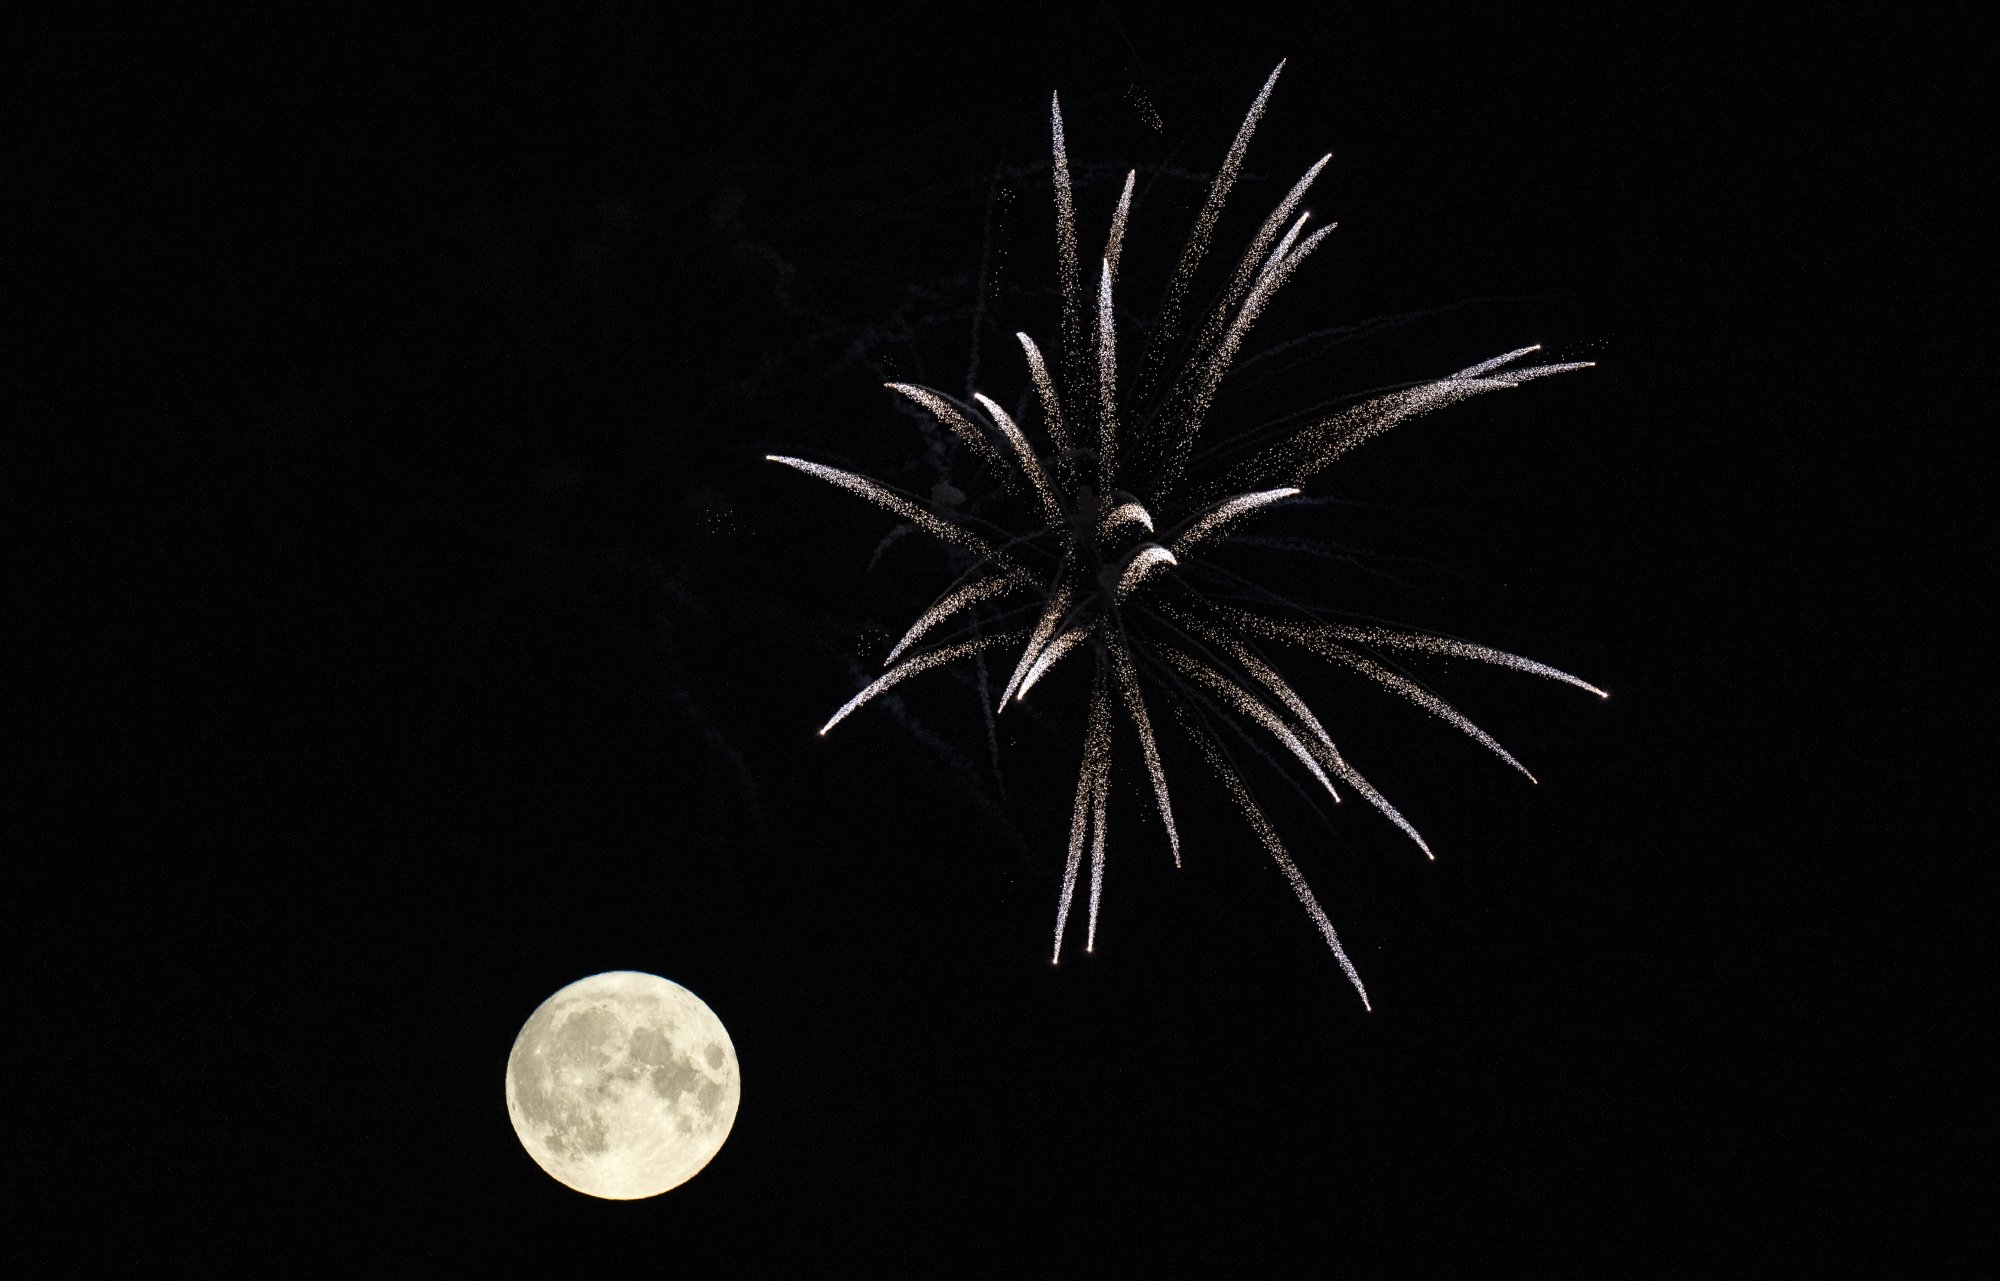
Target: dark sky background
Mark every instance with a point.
(428, 633)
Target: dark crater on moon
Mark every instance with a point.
(674, 1075)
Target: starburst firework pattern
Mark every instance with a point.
(1110, 560)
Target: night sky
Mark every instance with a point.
(426, 631)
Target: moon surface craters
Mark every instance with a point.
(622, 1085)
(676, 1078)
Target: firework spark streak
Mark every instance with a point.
(1113, 555)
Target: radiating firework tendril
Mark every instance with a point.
(1045, 627)
(1098, 745)
(912, 666)
(1416, 642)
(1251, 709)
(1096, 471)
(1416, 694)
(1052, 417)
(1319, 740)
(1213, 522)
(1107, 391)
(1268, 835)
(1089, 793)
(1114, 244)
(1031, 466)
(1144, 561)
(1125, 514)
(882, 496)
(1319, 446)
(1135, 708)
(1069, 269)
(1167, 326)
(958, 424)
(1049, 657)
(953, 602)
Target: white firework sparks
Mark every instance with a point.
(1111, 563)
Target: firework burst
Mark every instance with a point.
(1110, 564)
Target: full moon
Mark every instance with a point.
(622, 1085)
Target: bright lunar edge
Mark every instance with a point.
(623, 1085)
